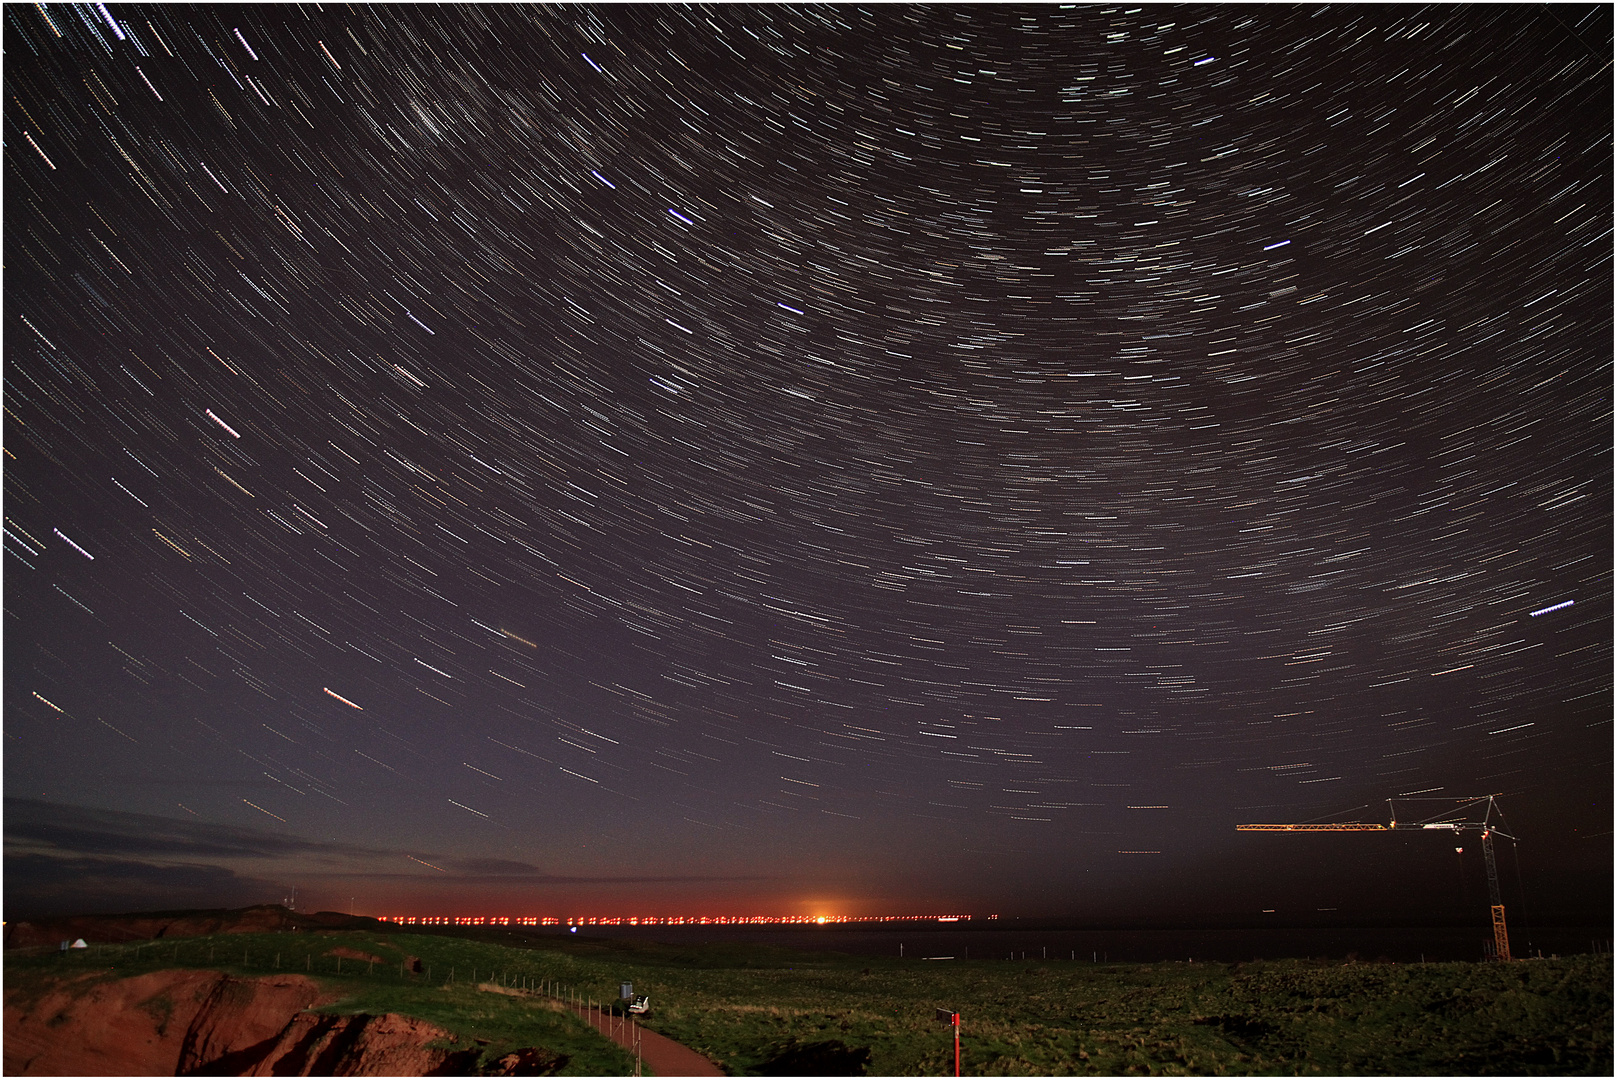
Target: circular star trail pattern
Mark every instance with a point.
(812, 443)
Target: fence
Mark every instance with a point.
(258, 955)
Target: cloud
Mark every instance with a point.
(538, 879)
(494, 867)
(124, 858)
(39, 886)
(33, 824)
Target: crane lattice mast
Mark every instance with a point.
(1453, 821)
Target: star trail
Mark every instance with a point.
(816, 459)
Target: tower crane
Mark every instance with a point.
(1459, 818)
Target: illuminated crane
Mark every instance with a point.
(1453, 820)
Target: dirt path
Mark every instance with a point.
(665, 1056)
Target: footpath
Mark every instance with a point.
(665, 1056)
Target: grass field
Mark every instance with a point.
(760, 1010)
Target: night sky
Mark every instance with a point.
(805, 460)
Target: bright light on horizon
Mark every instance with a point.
(662, 920)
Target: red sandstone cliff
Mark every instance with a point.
(172, 1023)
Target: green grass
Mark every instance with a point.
(747, 1007)
(1538, 1017)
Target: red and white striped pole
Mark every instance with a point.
(953, 1019)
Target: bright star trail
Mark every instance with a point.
(823, 461)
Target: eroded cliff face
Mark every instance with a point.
(320, 1044)
(148, 1025)
(174, 1023)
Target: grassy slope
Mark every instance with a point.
(495, 1023)
(743, 1005)
(1551, 1017)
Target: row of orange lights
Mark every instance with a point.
(664, 920)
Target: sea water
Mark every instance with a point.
(1009, 941)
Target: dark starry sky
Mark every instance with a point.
(804, 459)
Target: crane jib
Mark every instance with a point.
(1356, 826)
(1485, 828)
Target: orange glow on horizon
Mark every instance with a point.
(663, 920)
